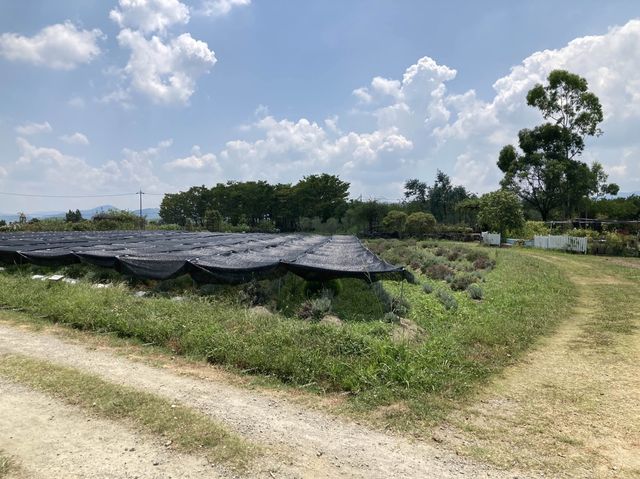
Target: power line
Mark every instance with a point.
(65, 196)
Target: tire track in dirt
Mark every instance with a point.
(299, 442)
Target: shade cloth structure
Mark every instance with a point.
(207, 257)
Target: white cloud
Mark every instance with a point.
(32, 128)
(289, 149)
(48, 169)
(604, 60)
(165, 72)
(420, 126)
(196, 161)
(120, 96)
(62, 46)
(220, 8)
(363, 95)
(150, 16)
(75, 139)
(76, 102)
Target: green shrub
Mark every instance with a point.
(441, 251)
(400, 305)
(427, 288)
(473, 254)
(391, 317)
(315, 309)
(461, 281)
(439, 271)
(447, 299)
(483, 262)
(475, 291)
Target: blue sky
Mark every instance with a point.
(107, 97)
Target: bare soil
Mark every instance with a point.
(299, 442)
(53, 440)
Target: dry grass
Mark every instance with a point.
(570, 408)
(188, 430)
(6, 464)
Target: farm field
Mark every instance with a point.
(429, 377)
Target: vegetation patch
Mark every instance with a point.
(6, 464)
(188, 430)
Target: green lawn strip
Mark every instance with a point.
(188, 430)
(524, 298)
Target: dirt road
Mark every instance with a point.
(299, 442)
(570, 408)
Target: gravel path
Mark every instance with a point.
(300, 442)
(52, 440)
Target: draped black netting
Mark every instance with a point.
(207, 257)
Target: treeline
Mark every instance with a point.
(257, 205)
(316, 203)
(623, 209)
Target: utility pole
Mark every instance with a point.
(140, 193)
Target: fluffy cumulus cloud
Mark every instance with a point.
(165, 71)
(75, 139)
(197, 161)
(32, 128)
(162, 66)
(604, 60)
(62, 46)
(149, 16)
(288, 148)
(220, 8)
(43, 168)
(420, 125)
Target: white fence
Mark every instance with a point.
(567, 243)
(491, 239)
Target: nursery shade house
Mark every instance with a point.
(207, 257)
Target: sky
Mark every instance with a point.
(110, 97)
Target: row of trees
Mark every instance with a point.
(258, 204)
(316, 203)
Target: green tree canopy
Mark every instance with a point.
(257, 205)
(546, 173)
(395, 222)
(500, 211)
(324, 196)
(420, 223)
(73, 216)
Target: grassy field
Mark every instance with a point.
(188, 430)
(407, 371)
(570, 409)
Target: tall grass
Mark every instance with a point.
(523, 298)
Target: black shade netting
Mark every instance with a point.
(207, 257)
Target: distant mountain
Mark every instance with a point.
(150, 213)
